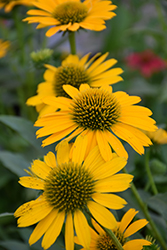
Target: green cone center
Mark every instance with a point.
(74, 12)
(70, 74)
(69, 187)
(104, 242)
(95, 109)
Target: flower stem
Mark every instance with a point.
(72, 42)
(20, 36)
(109, 232)
(114, 238)
(151, 180)
(144, 208)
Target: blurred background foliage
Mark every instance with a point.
(139, 26)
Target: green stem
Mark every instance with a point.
(109, 232)
(72, 42)
(19, 28)
(151, 180)
(114, 238)
(144, 208)
(160, 15)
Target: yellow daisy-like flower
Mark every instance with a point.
(74, 71)
(9, 4)
(70, 189)
(4, 46)
(101, 115)
(159, 136)
(100, 240)
(71, 15)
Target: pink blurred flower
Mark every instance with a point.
(146, 62)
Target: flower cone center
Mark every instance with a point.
(95, 109)
(74, 12)
(69, 187)
(69, 74)
(105, 242)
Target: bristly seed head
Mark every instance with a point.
(105, 242)
(70, 74)
(95, 109)
(71, 11)
(69, 187)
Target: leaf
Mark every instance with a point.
(24, 127)
(13, 245)
(159, 204)
(16, 163)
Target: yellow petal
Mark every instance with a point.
(94, 159)
(134, 227)
(42, 227)
(50, 159)
(110, 168)
(79, 149)
(32, 182)
(102, 215)
(36, 213)
(116, 183)
(69, 232)
(109, 200)
(116, 144)
(53, 231)
(136, 244)
(127, 218)
(71, 91)
(104, 147)
(63, 151)
(82, 229)
(40, 168)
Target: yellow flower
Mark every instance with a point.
(100, 240)
(74, 71)
(71, 15)
(101, 115)
(71, 188)
(4, 46)
(159, 136)
(9, 4)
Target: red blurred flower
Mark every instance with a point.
(146, 62)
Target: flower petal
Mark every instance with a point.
(102, 215)
(53, 231)
(135, 226)
(69, 233)
(42, 227)
(82, 229)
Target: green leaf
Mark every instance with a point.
(14, 245)
(159, 204)
(16, 163)
(24, 127)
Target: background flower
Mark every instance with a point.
(4, 47)
(9, 4)
(100, 240)
(146, 62)
(74, 71)
(71, 15)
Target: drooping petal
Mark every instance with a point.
(53, 231)
(136, 244)
(135, 226)
(102, 215)
(127, 218)
(69, 232)
(109, 200)
(42, 227)
(79, 149)
(82, 229)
